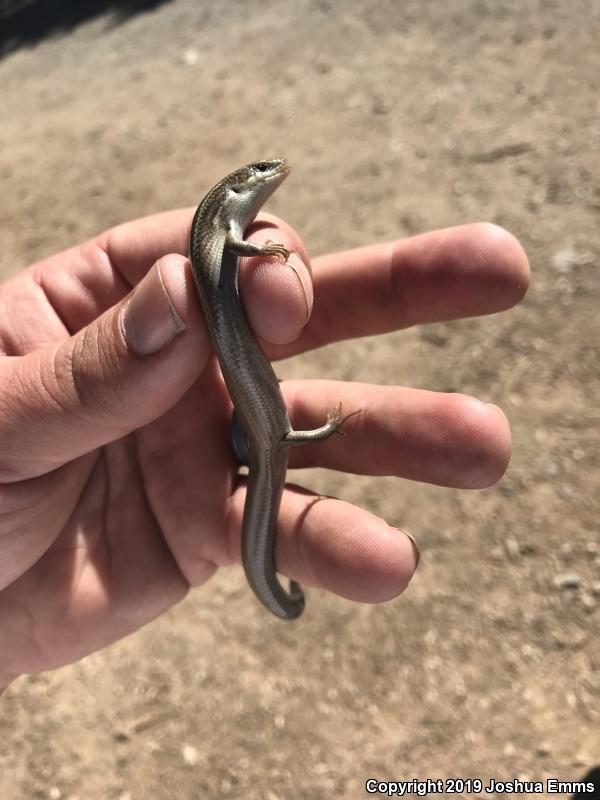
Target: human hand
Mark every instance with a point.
(118, 486)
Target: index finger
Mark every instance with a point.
(453, 273)
(134, 246)
(465, 271)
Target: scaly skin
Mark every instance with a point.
(216, 242)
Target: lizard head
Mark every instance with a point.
(256, 182)
(260, 173)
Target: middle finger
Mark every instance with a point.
(447, 439)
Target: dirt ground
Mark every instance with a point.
(398, 118)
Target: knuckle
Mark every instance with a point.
(80, 371)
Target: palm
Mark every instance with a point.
(136, 536)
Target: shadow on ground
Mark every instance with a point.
(24, 23)
(593, 777)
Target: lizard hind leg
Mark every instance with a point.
(335, 420)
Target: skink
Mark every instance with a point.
(216, 242)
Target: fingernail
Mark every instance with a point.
(415, 546)
(295, 263)
(150, 321)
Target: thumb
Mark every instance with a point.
(122, 371)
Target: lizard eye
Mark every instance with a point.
(262, 166)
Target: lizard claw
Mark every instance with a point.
(335, 418)
(277, 250)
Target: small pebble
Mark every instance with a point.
(564, 491)
(564, 260)
(513, 551)
(190, 56)
(568, 581)
(588, 602)
(190, 754)
(280, 722)
(582, 760)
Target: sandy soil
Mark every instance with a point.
(399, 117)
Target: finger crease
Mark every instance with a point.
(302, 558)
